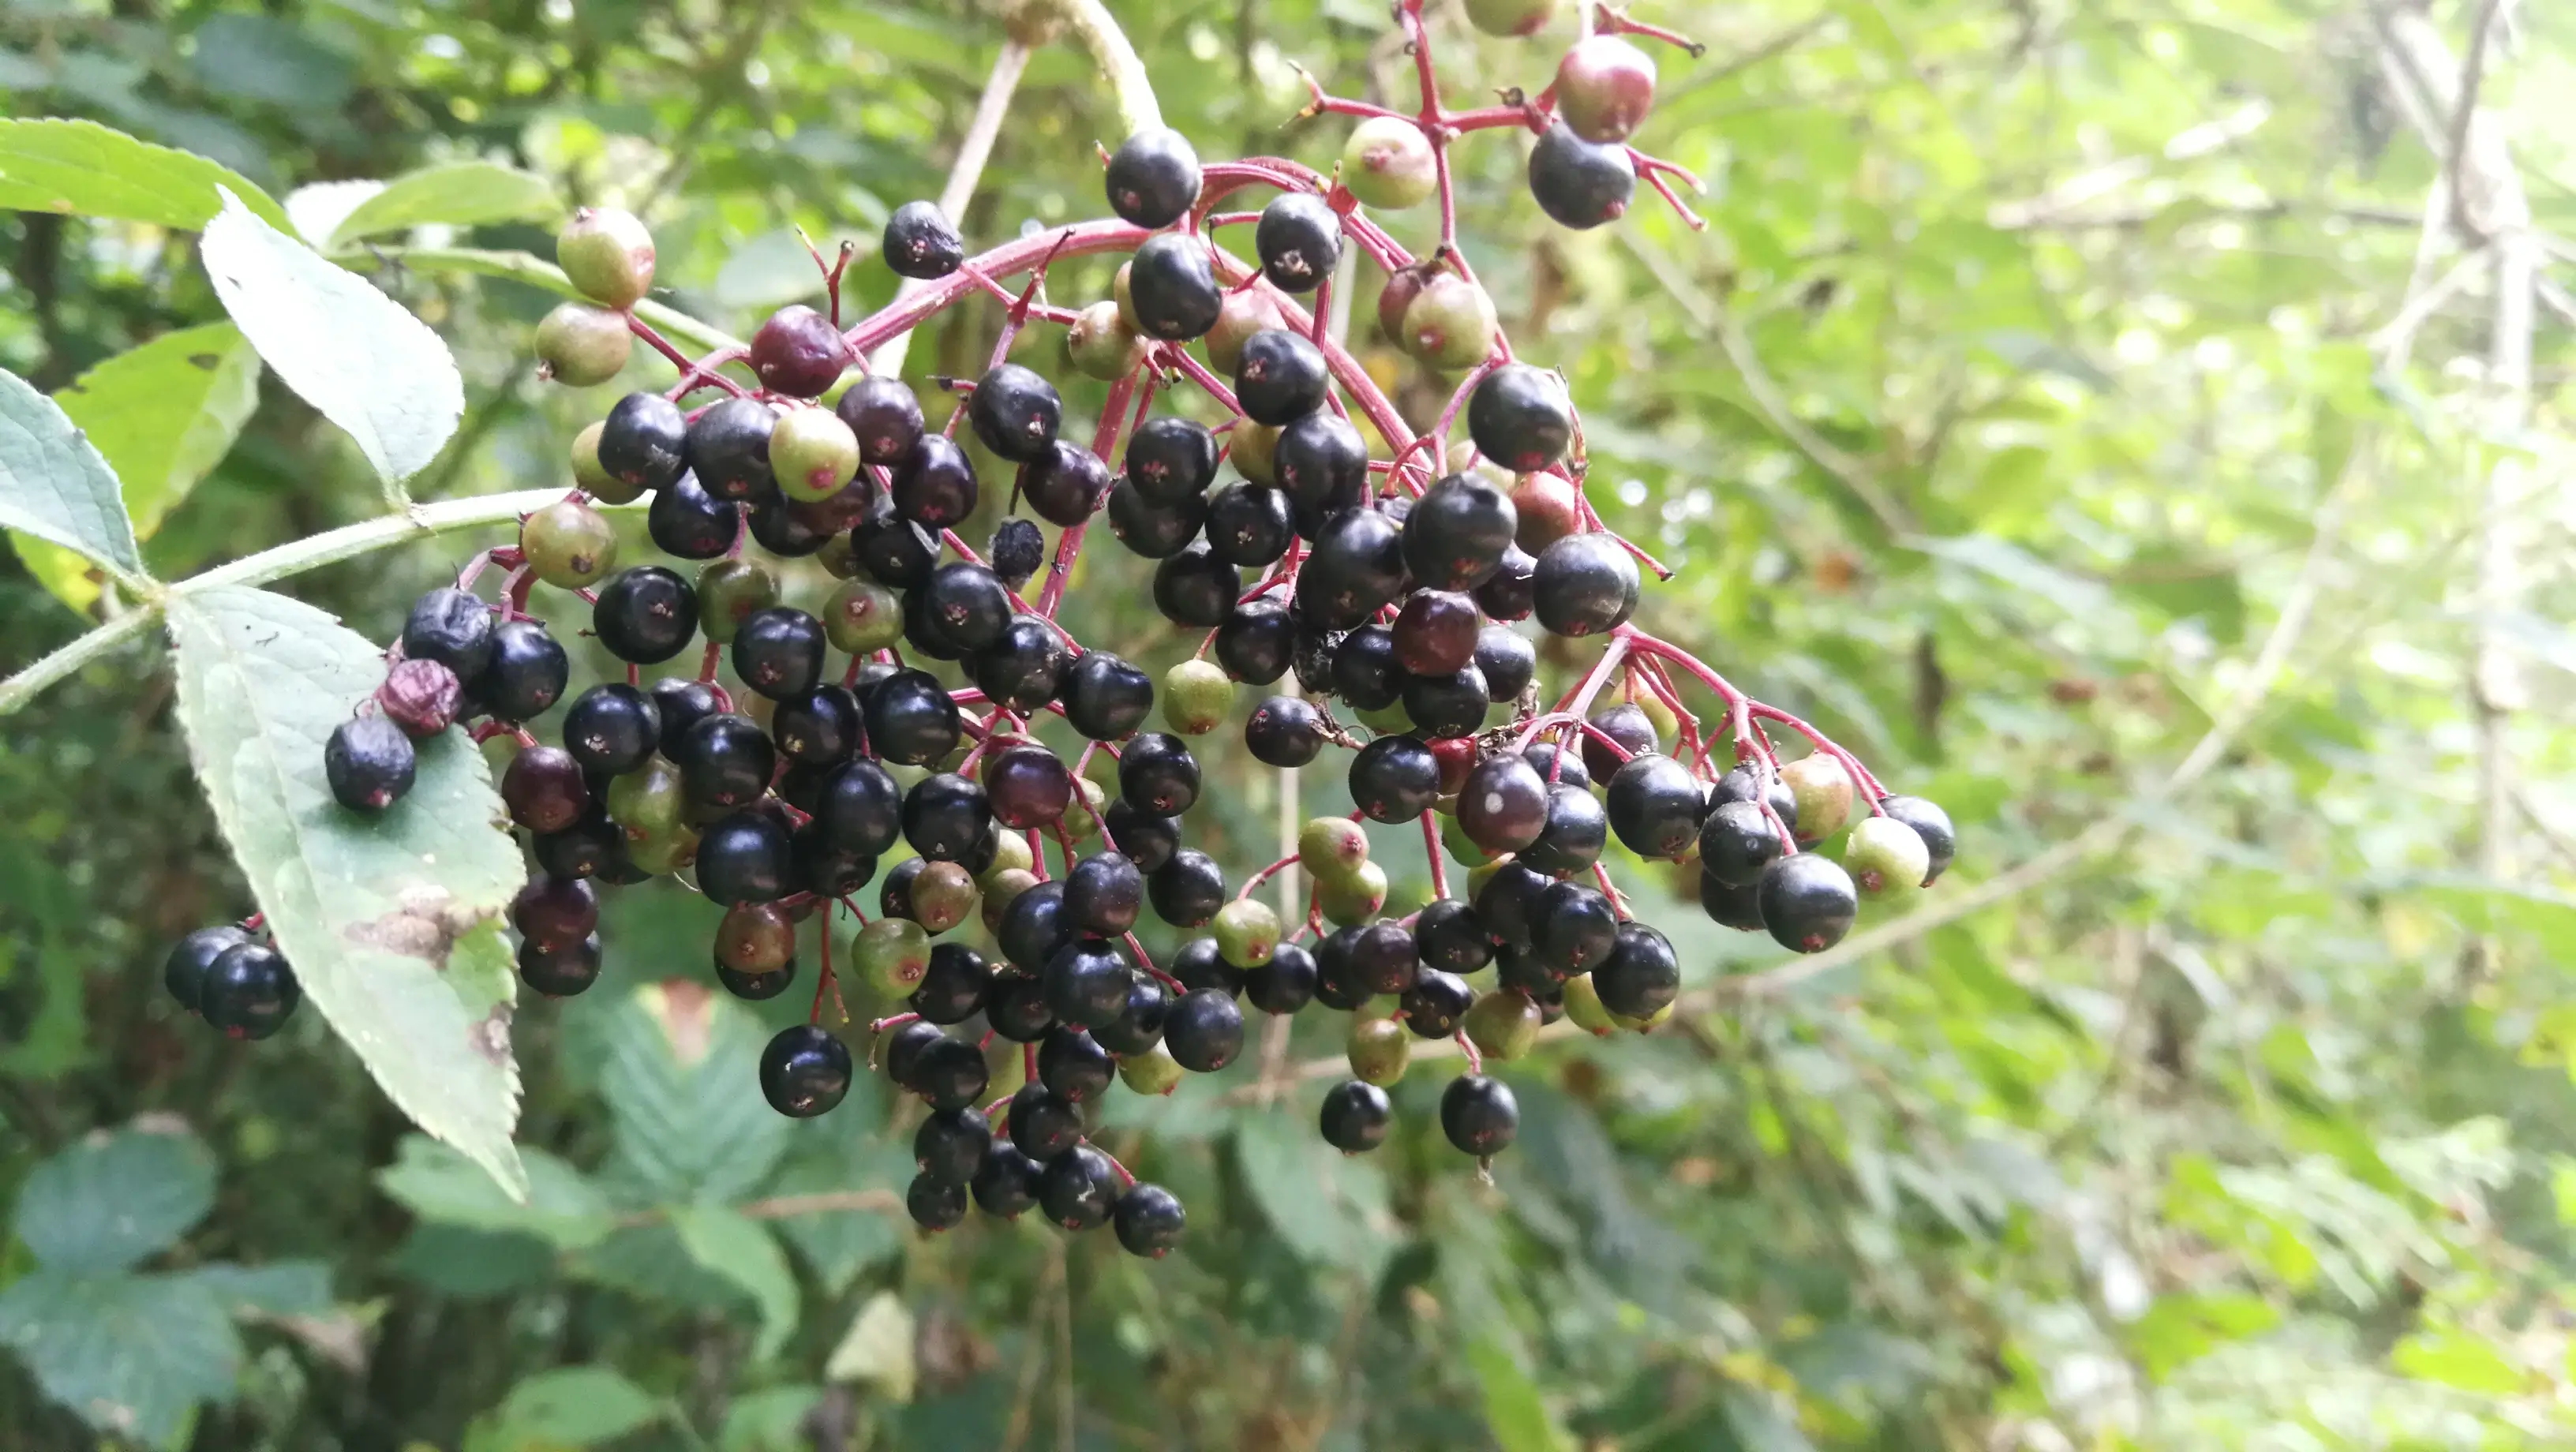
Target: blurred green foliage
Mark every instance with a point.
(2022, 414)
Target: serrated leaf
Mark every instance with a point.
(838, 1244)
(573, 1406)
(741, 1249)
(107, 1202)
(318, 208)
(390, 921)
(679, 1082)
(55, 485)
(133, 1355)
(1514, 1412)
(84, 169)
(162, 415)
(648, 1262)
(438, 1184)
(282, 1288)
(356, 355)
(462, 194)
(1328, 1207)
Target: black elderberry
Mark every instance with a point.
(1584, 584)
(1066, 484)
(904, 1050)
(823, 868)
(948, 1073)
(728, 449)
(1073, 1066)
(1079, 1189)
(760, 986)
(1086, 981)
(1737, 842)
(1299, 241)
(1187, 891)
(1103, 894)
(1016, 551)
(1479, 1114)
(1249, 524)
(1255, 642)
(798, 352)
(1157, 772)
(1558, 766)
(951, 1145)
(643, 441)
(1204, 1031)
(1507, 660)
(1357, 568)
(682, 702)
(1575, 927)
(560, 972)
(1356, 1116)
(369, 763)
(1105, 698)
(1196, 590)
(944, 815)
(1510, 593)
(1201, 963)
(1155, 531)
(1451, 938)
(1436, 1004)
(1520, 418)
(1365, 671)
(1153, 177)
(1929, 822)
(1015, 412)
(912, 720)
(1382, 957)
(1024, 666)
(1435, 633)
(1337, 983)
(920, 242)
(1034, 927)
(935, 1204)
(526, 675)
(1526, 970)
(1139, 1026)
(1503, 805)
(1576, 831)
(743, 858)
(1281, 377)
(1627, 724)
(953, 988)
(1042, 1123)
(249, 991)
(1029, 787)
(968, 603)
(818, 728)
(1321, 461)
(1458, 533)
(1006, 1184)
(1655, 805)
(893, 550)
(1172, 288)
(1808, 902)
(1285, 731)
(1447, 707)
(885, 416)
(1285, 984)
(1149, 1220)
(645, 615)
(452, 627)
(1394, 779)
(1171, 458)
(1507, 903)
(544, 789)
(1578, 183)
(184, 971)
(804, 1071)
(778, 652)
(612, 728)
(934, 485)
(1739, 908)
(788, 529)
(726, 761)
(860, 809)
(1642, 974)
(1148, 838)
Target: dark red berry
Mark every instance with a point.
(420, 696)
(555, 911)
(544, 789)
(798, 352)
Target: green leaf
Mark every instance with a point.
(133, 1355)
(106, 1203)
(877, 1350)
(2180, 1329)
(2461, 1358)
(741, 1249)
(573, 1406)
(282, 1288)
(356, 355)
(838, 1244)
(258, 58)
(389, 921)
(679, 1061)
(462, 194)
(55, 485)
(89, 170)
(438, 1184)
(162, 415)
(1514, 1411)
(1328, 1207)
(768, 1421)
(318, 208)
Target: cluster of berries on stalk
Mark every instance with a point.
(1400, 590)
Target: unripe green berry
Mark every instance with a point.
(608, 255)
(1666, 724)
(664, 850)
(942, 897)
(838, 557)
(1510, 17)
(1824, 793)
(1354, 899)
(999, 887)
(651, 798)
(731, 592)
(1477, 877)
(1251, 448)
(1081, 820)
(580, 346)
(1241, 315)
(1386, 720)
(1119, 294)
(1100, 344)
(1454, 837)
(1450, 324)
(1331, 848)
(1649, 1023)
(1388, 164)
(1379, 1049)
(1583, 1006)
(862, 616)
(813, 454)
(1887, 859)
(568, 544)
(1154, 1071)
(1503, 1024)
(891, 953)
(1010, 854)
(592, 477)
(1196, 696)
(1247, 932)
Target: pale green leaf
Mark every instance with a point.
(769, 1421)
(678, 1081)
(390, 921)
(55, 485)
(112, 1199)
(1514, 1412)
(2460, 1358)
(741, 1249)
(877, 1350)
(133, 1355)
(438, 1184)
(281, 1288)
(461, 194)
(88, 170)
(360, 358)
(318, 209)
(573, 1406)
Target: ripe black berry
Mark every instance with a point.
(779, 652)
(818, 866)
(1024, 666)
(1157, 772)
(726, 761)
(743, 858)
(1154, 177)
(860, 809)
(951, 1146)
(1382, 958)
(1148, 838)
(1627, 724)
(1575, 927)
(1282, 377)
(1171, 458)
(1299, 241)
(953, 987)
(1139, 1026)
(1204, 1031)
(453, 628)
(893, 550)
(804, 1071)
(249, 991)
(1365, 670)
(1103, 894)
(1655, 805)
(1285, 984)
(1073, 1066)
(911, 719)
(1321, 460)
(935, 1204)
(1006, 1184)
(1029, 786)
(1507, 660)
(1739, 908)
(1086, 981)
(1155, 531)
(1520, 418)
(1196, 590)
(944, 815)
(643, 439)
(1506, 904)
(369, 763)
(1737, 843)
(1249, 524)
(1105, 698)
(934, 484)
(1172, 288)
(886, 417)
(920, 242)
(1079, 1189)
(728, 449)
(968, 603)
(949, 1074)
(1066, 484)
(1254, 643)
(526, 675)
(1149, 1220)
(1458, 533)
(1447, 707)
(612, 728)
(798, 352)
(1015, 412)
(1356, 1116)
(1579, 183)
(817, 728)
(645, 615)
(1043, 1123)
(1479, 1114)
(1510, 592)
(788, 529)
(1450, 937)
(1357, 568)
(1503, 806)
(1584, 584)
(560, 972)
(544, 789)
(1437, 1003)
(1034, 927)
(1929, 823)
(1394, 779)
(1808, 902)
(184, 971)
(1284, 731)
(1188, 890)
(1641, 975)
(1576, 831)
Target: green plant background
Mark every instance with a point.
(2025, 416)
